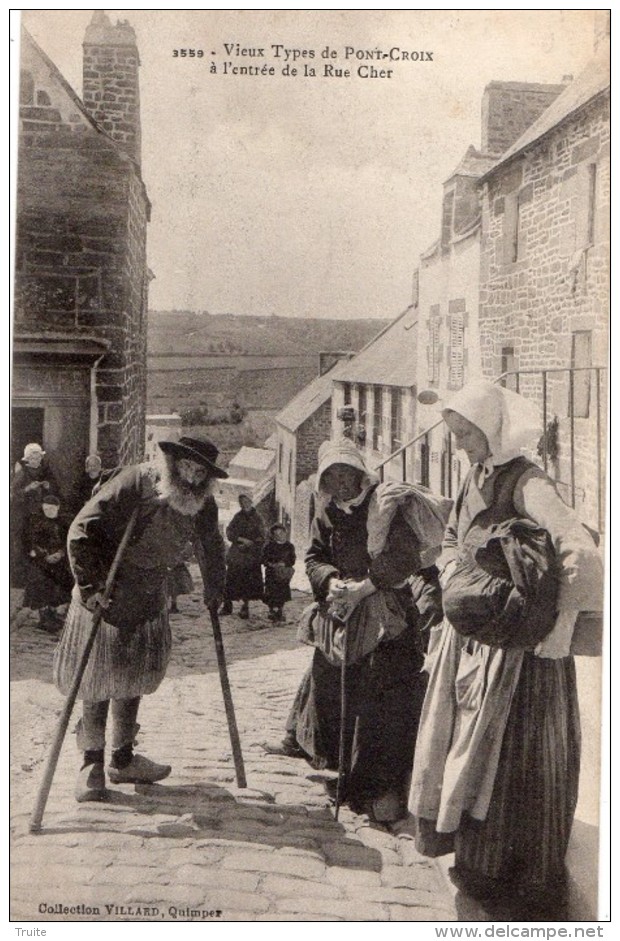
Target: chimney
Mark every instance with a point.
(509, 108)
(110, 87)
(329, 358)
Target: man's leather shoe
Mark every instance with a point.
(388, 808)
(140, 770)
(90, 785)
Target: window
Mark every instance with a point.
(26, 426)
(581, 356)
(513, 222)
(377, 417)
(280, 455)
(362, 405)
(290, 468)
(513, 233)
(396, 419)
(519, 242)
(509, 364)
(446, 221)
(346, 393)
(456, 358)
(434, 325)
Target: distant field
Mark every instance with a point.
(195, 359)
(193, 332)
(256, 382)
(167, 362)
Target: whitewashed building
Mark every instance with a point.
(380, 384)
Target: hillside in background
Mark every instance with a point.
(196, 360)
(195, 333)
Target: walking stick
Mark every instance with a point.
(63, 722)
(343, 721)
(228, 703)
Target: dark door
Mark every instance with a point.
(425, 463)
(26, 428)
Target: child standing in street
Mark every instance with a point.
(49, 581)
(279, 562)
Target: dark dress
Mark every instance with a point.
(244, 575)
(277, 585)
(385, 688)
(25, 505)
(48, 584)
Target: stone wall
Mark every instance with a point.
(310, 436)
(81, 250)
(81, 268)
(134, 325)
(535, 294)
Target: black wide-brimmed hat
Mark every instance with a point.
(195, 449)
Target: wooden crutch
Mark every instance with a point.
(233, 731)
(343, 722)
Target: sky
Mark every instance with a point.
(310, 196)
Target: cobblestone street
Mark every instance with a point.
(195, 844)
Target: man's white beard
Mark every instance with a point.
(187, 499)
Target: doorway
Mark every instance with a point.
(26, 428)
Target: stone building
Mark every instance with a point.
(544, 277)
(544, 309)
(449, 277)
(81, 279)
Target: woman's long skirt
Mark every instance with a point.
(122, 664)
(244, 581)
(277, 590)
(385, 691)
(522, 842)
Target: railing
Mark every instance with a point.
(540, 380)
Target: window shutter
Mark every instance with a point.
(434, 350)
(456, 360)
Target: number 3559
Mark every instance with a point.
(191, 53)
